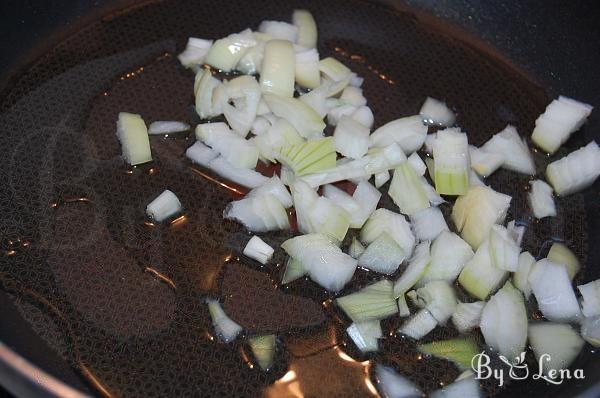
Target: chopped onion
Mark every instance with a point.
(330, 219)
(335, 113)
(365, 335)
(304, 119)
(251, 61)
(403, 309)
(555, 345)
(325, 262)
(465, 387)
(460, 350)
(590, 293)
(408, 132)
(407, 191)
(316, 99)
(383, 220)
(225, 53)
(374, 162)
(451, 160)
(521, 277)
(224, 326)
(278, 68)
(483, 162)
(560, 254)
(334, 69)
(279, 30)
(438, 298)
(195, 52)
(434, 198)
(480, 277)
(449, 253)
(504, 322)
(552, 289)
(381, 178)
(263, 349)
(382, 255)
(307, 68)
(205, 87)
(475, 213)
(310, 156)
(245, 177)
(392, 385)
(467, 316)
(258, 213)
(359, 206)
(164, 206)
(364, 115)
(356, 248)
(513, 148)
(590, 330)
(374, 302)
(540, 199)
(235, 149)
(414, 271)
(561, 118)
(244, 92)
(200, 154)
(167, 127)
(293, 270)
(419, 325)
(576, 171)
(275, 187)
(353, 96)
(304, 198)
(417, 164)
(351, 138)
(307, 28)
(437, 112)
(133, 136)
(258, 250)
(280, 134)
(515, 232)
(428, 223)
(503, 249)
(428, 144)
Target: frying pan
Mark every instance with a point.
(498, 59)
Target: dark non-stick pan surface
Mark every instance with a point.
(122, 299)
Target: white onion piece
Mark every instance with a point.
(317, 100)
(515, 232)
(279, 134)
(384, 220)
(374, 162)
(351, 138)
(279, 30)
(364, 115)
(167, 127)
(393, 385)
(356, 80)
(552, 289)
(225, 53)
(407, 190)
(307, 68)
(304, 119)
(451, 162)
(275, 187)
(245, 177)
(434, 111)
(244, 92)
(417, 164)
(201, 154)
(307, 28)
(590, 330)
(483, 162)
(278, 68)
(226, 328)
(133, 136)
(381, 178)
(334, 114)
(330, 219)
(428, 143)
(334, 69)
(382, 255)
(561, 118)
(325, 262)
(438, 298)
(521, 277)
(449, 254)
(415, 269)
(356, 248)
(513, 148)
(365, 335)
(251, 61)
(236, 150)
(367, 196)
(205, 86)
(408, 132)
(434, 198)
(195, 52)
(480, 277)
(576, 171)
(353, 96)
(467, 316)
(540, 199)
(560, 254)
(428, 223)
(258, 214)
(260, 125)
(164, 206)
(258, 250)
(590, 293)
(419, 325)
(504, 322)
(263, 349)
(503, 249)
(555, 346)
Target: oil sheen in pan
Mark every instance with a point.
(132, 292)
